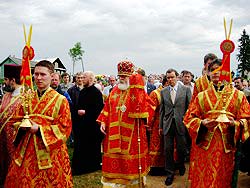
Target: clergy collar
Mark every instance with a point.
(217, 88)
(16, 92)
(40, 94)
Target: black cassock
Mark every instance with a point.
(87, 149)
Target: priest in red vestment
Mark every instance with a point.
(201, 84)
(41, 158)
(216, 120)
(123, 120)
(10, 102)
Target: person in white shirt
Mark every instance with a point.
(187, 77)
(112, 83)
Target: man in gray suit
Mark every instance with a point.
(175, 99)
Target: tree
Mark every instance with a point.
(244, 54)
(76, 54)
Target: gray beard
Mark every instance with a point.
(123, 86)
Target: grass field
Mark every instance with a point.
(91, 180)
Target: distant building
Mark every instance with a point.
(59, 67)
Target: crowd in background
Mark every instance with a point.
(87, 93)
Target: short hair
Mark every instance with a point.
(164, 80)
(91, 75)
(56, 73)
(78, 74)
(214, 62)
(238, 77)
(65, 74)
(112, 76)
(172, 70)
(185, 72)
(209, 56)
(45, 63)
(141, 72)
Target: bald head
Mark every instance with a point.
(88, 78)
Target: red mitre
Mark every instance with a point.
(125, 68)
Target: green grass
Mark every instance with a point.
(91, 180)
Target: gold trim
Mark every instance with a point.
(123, 124)
(138, 115)
(40, 99)
(117, 136)
(12, 101)
(137, 86)
(42, 116)
(42, 129)
(122, 176)
(208, 99)
(49, 103)
(126, 157)
(58, 133)
(245, 135)
(158, 94)
(43, 156)
(19, 160)
(201, 100)
(57, 105)
(193, 119)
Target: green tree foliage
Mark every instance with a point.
(244, 54)
(76, 54)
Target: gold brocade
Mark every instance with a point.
(126, 157)
(4, 113)
(41, 159)
(138, 115)
(43, 156)
(211, 104)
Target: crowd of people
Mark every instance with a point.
(128, 126)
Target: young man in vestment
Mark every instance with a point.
(41, 158)
(216, 137)
(201, 84)
(7, 110)
(123, 119)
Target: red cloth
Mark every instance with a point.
(7, 111)
(213, 161)
(120, 145)
(41, 160)
(156, 149)
(201, 84)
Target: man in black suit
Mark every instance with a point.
(175, 99)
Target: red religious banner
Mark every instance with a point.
(227, 47)
(28, 54)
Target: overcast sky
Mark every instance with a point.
(155, 35)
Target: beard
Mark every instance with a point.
(123, 86)
(8, 88)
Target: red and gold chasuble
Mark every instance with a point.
(201, 84)
(156, 149)
(214, 157)
(123, 125)
(7, 132)
(41, 159)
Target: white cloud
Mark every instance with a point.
(156, 35)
